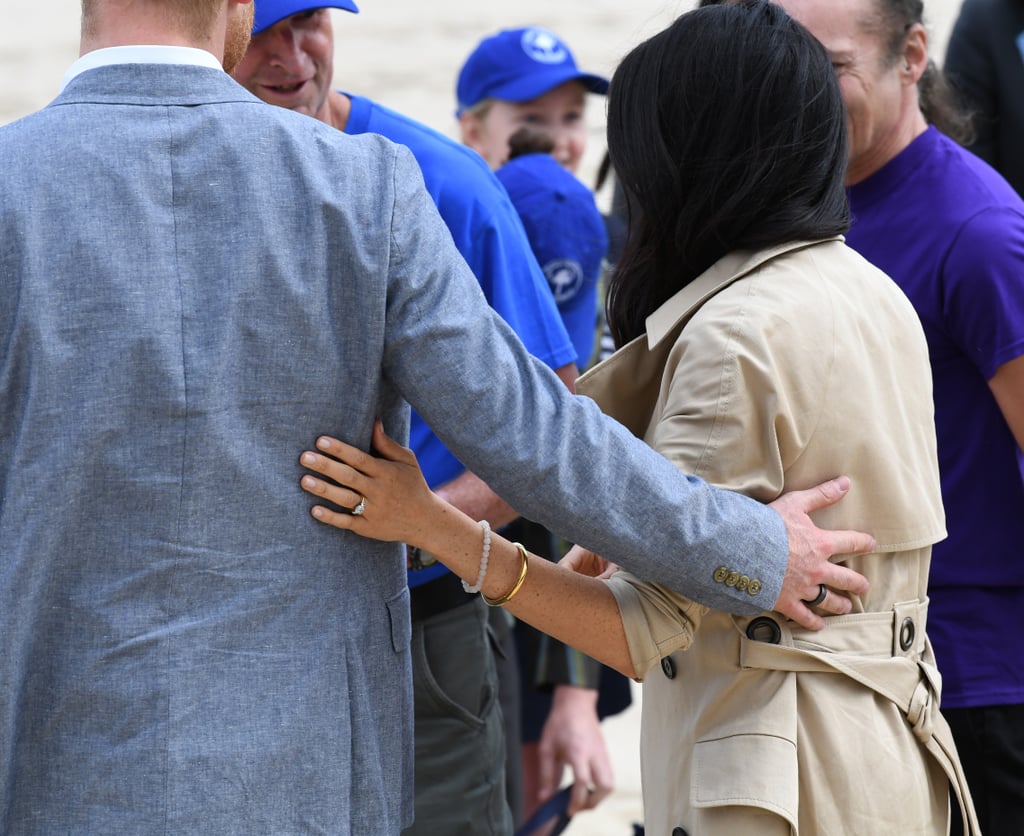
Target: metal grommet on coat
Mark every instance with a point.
(668, 667)
(907, 633)
(764, 629)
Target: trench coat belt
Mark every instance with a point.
(866, 648)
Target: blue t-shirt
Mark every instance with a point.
(487, 232)
(578, 307)
(567, 233)
(950, 232)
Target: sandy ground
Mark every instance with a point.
(406, 54)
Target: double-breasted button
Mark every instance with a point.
(668, 667)
(679, 831)
(907, 633)
(764, 629)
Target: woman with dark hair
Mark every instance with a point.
(763, 355)
(765, 170)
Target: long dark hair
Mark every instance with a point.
(727, 131)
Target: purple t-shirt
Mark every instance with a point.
(950, 232)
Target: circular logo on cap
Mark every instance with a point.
(543, 46)
(565, 278)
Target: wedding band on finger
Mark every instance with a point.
(361, 507)
(822, 592)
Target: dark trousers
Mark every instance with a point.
(460, 742)
(990, 740)
(506, 660)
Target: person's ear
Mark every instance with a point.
(472, 128)
(915, 54)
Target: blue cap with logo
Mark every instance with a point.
(566, 233)
(517, 65)
(269, 12)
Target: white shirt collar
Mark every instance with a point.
(141, 54)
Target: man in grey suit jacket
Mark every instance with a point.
(193, 285)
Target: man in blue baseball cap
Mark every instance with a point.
(460, 750)
(301, 81)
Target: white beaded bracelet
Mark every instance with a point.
(484, 555)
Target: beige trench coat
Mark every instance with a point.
(774, 371)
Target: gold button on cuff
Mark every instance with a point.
(735, 580)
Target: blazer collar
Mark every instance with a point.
(728, 269)
(153, 84)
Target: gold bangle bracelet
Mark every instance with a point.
(504, 599)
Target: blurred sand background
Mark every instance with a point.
(406, 53)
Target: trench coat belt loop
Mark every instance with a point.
(911, 683)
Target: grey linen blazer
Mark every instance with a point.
(193, 285)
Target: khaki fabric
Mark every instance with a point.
(771, 372)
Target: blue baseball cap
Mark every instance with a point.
(269, 12)
(517, 65)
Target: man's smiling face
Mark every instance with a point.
(291, 63)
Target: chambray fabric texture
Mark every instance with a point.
(193, 286)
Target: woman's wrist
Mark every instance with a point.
(451, 536)
(524, 568)
(485, 552)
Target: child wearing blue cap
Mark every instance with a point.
(524, 76)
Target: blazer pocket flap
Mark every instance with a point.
(758, 770)
(401, 621)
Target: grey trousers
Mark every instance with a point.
(460, 742)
